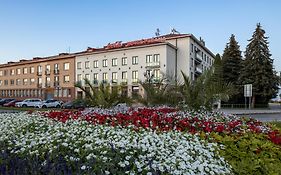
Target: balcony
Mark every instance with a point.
(135, 81)
(47, 72)
(56, 84)
(198, 58)
(39, 73)
(198, 71)
(114, 81)
(56, 71)
(124, 82)
(153, 65)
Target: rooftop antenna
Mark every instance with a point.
(69, 49)
(174, 31)
(157, 33)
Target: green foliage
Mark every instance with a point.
(231, 61)
(205, 90)
(103, 96)
(258, 68)
(250, 153)
(160, 92)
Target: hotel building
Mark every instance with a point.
(116, 63)
(45, 78)
(131, 62)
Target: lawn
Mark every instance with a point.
(137, 141)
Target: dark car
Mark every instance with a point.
(6, 100)
(74, 105)
(11, 103)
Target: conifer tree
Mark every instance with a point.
(258, 68)
(231, 61)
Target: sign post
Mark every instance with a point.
(248, 92)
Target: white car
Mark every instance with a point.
(32, 102)
(50, 104)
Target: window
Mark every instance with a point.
(156, 73)
(48, 81)
(5, 72)
(18, 82)
(18, 71)
(1, 73)
(148, 59)
(96, 64)
(79, 77)
(25, 81)
(114, 77)
(104, 77)
(124, 75)
(66, 66)
(32, 80)
(56, 78)
(31, 70)
(87, 65)
(156, 58)
(39, 81)
(191, 47)
(79, 65)
(135, 76)
(87, 76)
(114, 62)
(48, 69)
(96, 78)
(6, 82)
(191, 62)
(135, 60)
(39, 68)
(12, 82)
(124, 61)
(66, 78)
(12, 72)
(25, 70)
(104, 63)
(1, 82)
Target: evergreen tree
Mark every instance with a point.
(231, 68)
(231, 61)
(258, 68)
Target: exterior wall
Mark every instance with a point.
(141, 67)
(58, 90)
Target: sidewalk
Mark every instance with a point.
(251, 111)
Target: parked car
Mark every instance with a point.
(74, 105)
(5, 100)
(32, 102)
(11, 103)
(50, 104)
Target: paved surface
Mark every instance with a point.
(265, 117)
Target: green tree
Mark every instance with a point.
(231, 61)
(206, 89)
(258, 68)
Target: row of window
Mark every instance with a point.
(31, 70)
(31, 81)
(124, 61)
(114, 75)
(34, 93)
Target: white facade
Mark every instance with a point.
(129, 65)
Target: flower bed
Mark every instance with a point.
(136, 141)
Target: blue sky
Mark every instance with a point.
(43, 28)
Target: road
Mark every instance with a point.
(264, 117)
